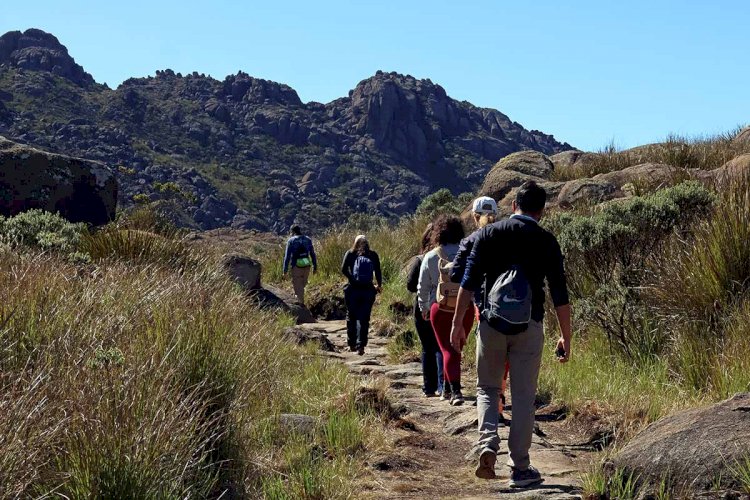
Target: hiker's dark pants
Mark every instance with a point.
(359, 301)
(432, 357)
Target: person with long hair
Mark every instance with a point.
(483, 212)
(432, 357)
(437, 299)
(360, 265)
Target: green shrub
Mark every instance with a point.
(41, 230)
(607, 254)
(443, 201)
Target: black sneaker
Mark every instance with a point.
(486, 467)
(352, 348)
(361, 351)
(457, 399)
(522, 478)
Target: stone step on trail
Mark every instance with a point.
(454, 422)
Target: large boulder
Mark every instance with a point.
(500, 182)
(572, 160)
(733, 169)
(694, 449)
(531, 163)
(243, 270)
(586, 191)
(80, 190)
(247, 273)
(652, 174)
(743, 137)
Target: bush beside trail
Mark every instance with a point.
(137, 376)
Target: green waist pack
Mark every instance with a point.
(303, 262)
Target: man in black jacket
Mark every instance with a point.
(518, 241)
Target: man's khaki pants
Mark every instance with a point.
(525, 354)
(300, 277)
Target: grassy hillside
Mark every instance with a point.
(131, 368)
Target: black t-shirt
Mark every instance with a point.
(521, 241)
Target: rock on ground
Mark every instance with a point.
(586, 191)
(527, 162)
(733, 169)
(696, 448)
(743, 136)
(247, 273)
(80, 190)
(243, 270)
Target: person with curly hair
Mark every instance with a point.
(437, 296)
(432, 357)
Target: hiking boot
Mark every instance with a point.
(445, 395)
(486, 467)
(361, 351)
(457, 399)
(522, 478)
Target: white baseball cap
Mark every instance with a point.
(484, 205)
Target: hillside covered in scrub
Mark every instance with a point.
(248, 153)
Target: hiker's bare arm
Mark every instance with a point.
(458, 335)
(563, 318)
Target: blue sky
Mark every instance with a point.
(589, 72)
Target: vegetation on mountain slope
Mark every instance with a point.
(248, 152)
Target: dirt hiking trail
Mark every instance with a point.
(428, 459)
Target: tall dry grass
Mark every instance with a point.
(133, 380)
(680, 152)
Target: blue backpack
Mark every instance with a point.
(362, 270)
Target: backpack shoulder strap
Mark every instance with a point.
(441, 253)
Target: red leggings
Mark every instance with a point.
(442, 321)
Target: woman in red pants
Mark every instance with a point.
(437, 299)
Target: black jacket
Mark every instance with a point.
(518, 240)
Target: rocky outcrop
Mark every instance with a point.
(586, 191)
(243, 270)
(247, 273)
(39, 51)
(743, 137)
(652, 174)
(531, 163)
(733, 169)
(695, 449)
(80, 190)
(248, 152)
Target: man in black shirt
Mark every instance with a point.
(517, 241)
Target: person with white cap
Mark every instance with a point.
(360, 265)
(484, 212)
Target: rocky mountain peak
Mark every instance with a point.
(243, 87)
(38, 50)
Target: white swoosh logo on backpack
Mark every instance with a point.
(507, 299)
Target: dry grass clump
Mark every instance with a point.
(139, 380)
(704, 153)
